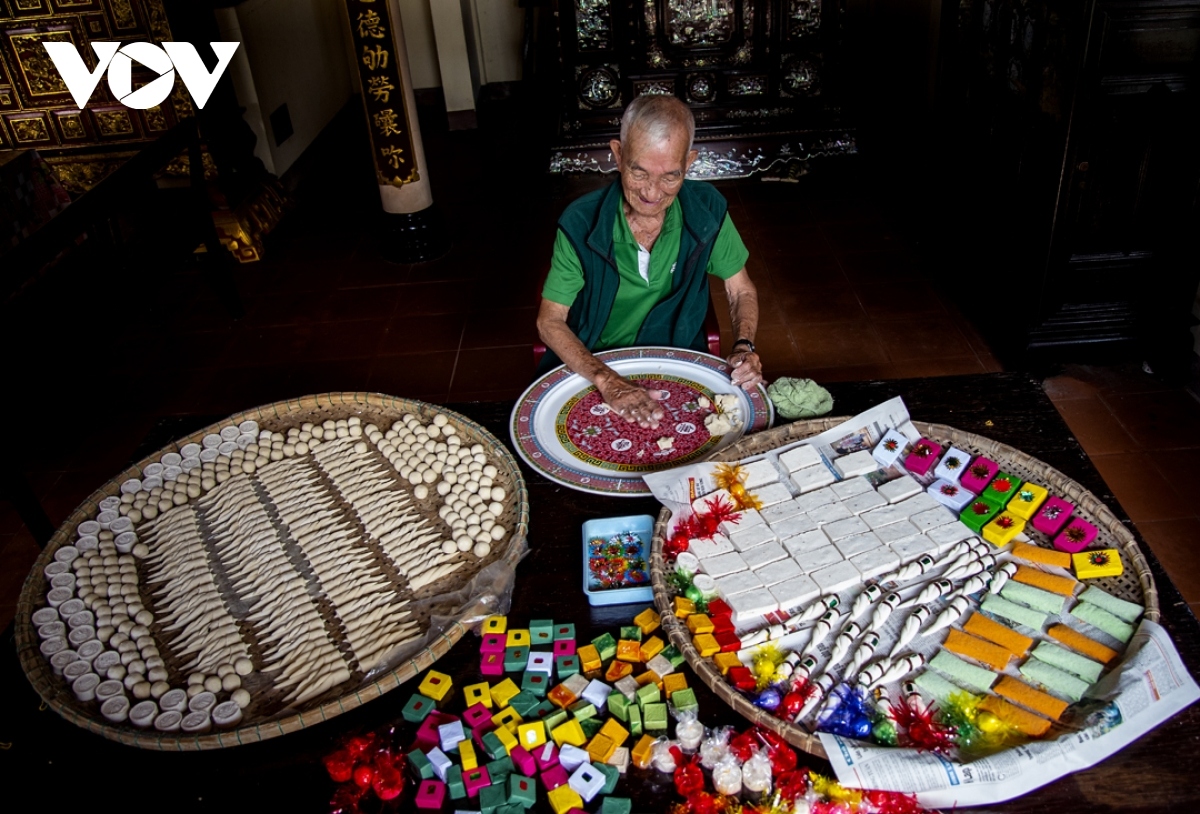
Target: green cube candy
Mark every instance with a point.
(671, 653)
(418, 708)
(648, 694)
(516, 659)
(543, 709)
(582, 710)
(522, 790)
(635, 720)
(500, 768)
(566, 666)
(590, 727)
(615, 805)
(564, 631)
(617, 706)
(654, 717)
(541, 632)
(491, 798)
(631, 633)
(977, 514)
(454, 782)
(536, 684)
(524, 702)
(419, 765)
(607, 646)
(611, 775)
(556, 718)
(493, 747)
(510, 808)
(684, 699)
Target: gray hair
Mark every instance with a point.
(657, 117)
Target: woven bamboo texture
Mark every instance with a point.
(1136, 583)
(370, 407)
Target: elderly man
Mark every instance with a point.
(631, 262)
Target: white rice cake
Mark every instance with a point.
(752, 604)
(953, 464)
(950, 494)
(800, 457)
(931, 519)
(902, 488)
(892, 438)
(814, 500)
(844, 528)
(772, 493)
(835, 578)
(912, 547)
(763, 555)
(895, 532)
(949, 534)
(829, 513)
(759, 473)
(919, 503)
(856, 463)
(809, 541)
(875, 562)
(723, 564)
(700, 504)
(850, 487)
(780, 511)
(710, 548)
(791, 526)
(744, 539)
(746, 519)
(818, 558)
(885, 515)
(738, 583)
(779, 571)
(795, 592)
(857, 544)
(814, 477)
(864, 502)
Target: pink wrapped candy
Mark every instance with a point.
(1053, 515)
(1077, 536)
(923, 456)
(979, 474)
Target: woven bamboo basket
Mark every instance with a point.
(1136, 584)
(370, 407)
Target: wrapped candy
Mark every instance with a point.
(865, 599)
(727, 775)
(756, 773)
(912, 625)
(765, 663)
(661, 756)
(732, 478)
(689, 731)
(715, 747)
(815, 610)
(689, 779)
(922, 728)
(848, 713)
(1003, 574)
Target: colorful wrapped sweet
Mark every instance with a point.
(1104, 562)
(1027, 500)
(923, 456)
(950, 494)
(1001, 489)
(979, 474)
(1052, 516)
(952, 465)
(1077, 536)
(978, 514)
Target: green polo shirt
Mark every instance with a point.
(636, 296)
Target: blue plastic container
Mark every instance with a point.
(616, 559)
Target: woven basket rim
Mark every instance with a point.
(47, 685)
(679, 635)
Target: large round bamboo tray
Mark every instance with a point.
(1136, 584)
(370, 407)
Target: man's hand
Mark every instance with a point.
(746, 369)
(630, 401)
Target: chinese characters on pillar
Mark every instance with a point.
(383, 94)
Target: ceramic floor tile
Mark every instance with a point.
(918, 301)
(838, 344)
(422, 333)
(832, 304)
(1174, 544)
(506, 369)
(933, 365)
(1141, 490)
(1095, 427)
(1180, 468)
(909, 340)
(414, 375)
(1067, 386)
(1162, 420)
(499, 327)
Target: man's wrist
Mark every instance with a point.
(743, 343)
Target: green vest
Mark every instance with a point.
(678, 319)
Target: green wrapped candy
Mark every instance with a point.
(799, 398)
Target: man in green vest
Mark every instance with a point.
(631, 263)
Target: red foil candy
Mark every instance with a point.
(340, 765)
(689, 779)
(388, 783)
(345, 799)
(364, 775)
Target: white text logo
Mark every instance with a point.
(118, 60)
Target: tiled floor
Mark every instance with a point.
(107, 354)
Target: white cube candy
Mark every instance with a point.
(807, 542)
(875, 562)
(540, 662)
(738, 583)
(856, 463)
(818, 558)
(440, 760)
(949, 534)
(931, 519)
(829, 513)
(800, 457)
(451, 735)
(795, 592)
(710, 548)
(763, 555)
(950, 494)
(587, 781)
(661, 665)
(778, 571)
(953, 463)
(753, 604)
(597, 693)
(864, 502)
(791, 526)
(772, 493)
(752, 537)
(571, 757)
(920, 502)
(812, 478)
(850, 487)
(915, 546)
(902, 488)
(835, 578)
(885, 515)
(759, 473)
(814, 500)
(890, 447)
(895, 532)
(844, 528)
(780, 511)
(857, 544)
(704, 503)
(723, 564)
(746, 519)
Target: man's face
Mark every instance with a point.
(652, 170)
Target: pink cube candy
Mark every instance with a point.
(525, 762)
(431, 794)
(494, 643)
(546, 756)
(427, 734)
(554, 777)
(923, 456)
(475, 779)
(1053, 515)
(492, 664)
(476, 715)
(564, 647)
(1077, 536)
(979, 474)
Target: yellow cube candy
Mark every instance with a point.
(570, 732)
(726, 660)
(706, 645)
(1105, 562)
(600, 748)
(589, 658)
(495, 624)
(1001, 530)
(503, 692)
(479, 693)
(648, 677)
(699, 623)
(466, 755)
(643, 751)
(652, 647)
(684, 607)
(647, 620)
(507, 737)
(629, 651)
(435, 685)
(673, 682)
(517, 637)
(531, 735)
(1028, 499)
(563, 799)
(612, 729)
(507, 718)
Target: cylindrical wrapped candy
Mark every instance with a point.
(168, 721)
(227, 714)
(57, 596)
(108, 689)
(174, 701)
(203, 702)
(44, 616)
(84, 687)
(142, 714)
(75, 669)
(52, 630)
(196, 722)
(115, 709)
(60, 660)
(52, 646)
